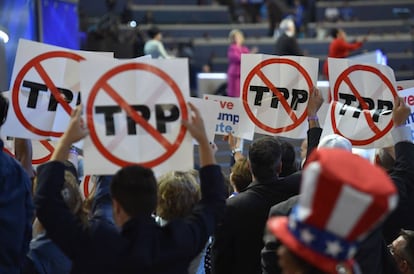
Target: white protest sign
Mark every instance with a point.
(133, 112)
(206, 108)
(44, 89)
(405, 84)
(278, 89)
(231, 117)
(87, 185)
(362, 102)
(408, 95)
(41, 150)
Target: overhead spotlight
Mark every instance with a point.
(3, 35)
(132, 24)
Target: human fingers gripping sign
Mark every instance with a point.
(400, 112)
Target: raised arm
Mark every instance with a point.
(195, 126)
(75, 132)
(402, 174)
(314, 133)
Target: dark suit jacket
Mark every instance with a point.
(372, 256)
(239, 238)
(403, 177)
(286, 45)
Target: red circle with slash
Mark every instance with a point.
(257, 71)
(35, 63)
(102, 84)
(343, 77)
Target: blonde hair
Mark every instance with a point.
(178, 192)
(233, 33)
(240, 176)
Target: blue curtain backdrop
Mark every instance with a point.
(57, 20)
(18, 18)
(60, 24)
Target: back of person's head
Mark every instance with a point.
(334, 32)
(178, 192)
(135, 189)
(289, 165)
(240, 176)
(335, 141)
(265, 157)
(384, 159)
(4, 106)
(152, 32)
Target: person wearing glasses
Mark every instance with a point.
(402, 250)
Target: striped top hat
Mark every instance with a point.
(343, 197)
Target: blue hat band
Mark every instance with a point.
(321, 241)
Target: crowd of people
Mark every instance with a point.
(336, 213)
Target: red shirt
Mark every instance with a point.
(339, 48)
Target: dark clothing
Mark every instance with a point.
(45, 257)
(403, 176)
(270, 263)
(286, 45)
(142, 246)
(372, 256)
(239, 238)
(16, 213)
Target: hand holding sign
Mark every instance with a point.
(75, 132)
(400, 112)
(195, 126)
(315, 102)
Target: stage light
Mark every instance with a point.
(132, 24)
(3, 35)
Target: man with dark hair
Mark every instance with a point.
(238, 239)
(402, 249)
(16, 208)
(134, 196)
(141, 245)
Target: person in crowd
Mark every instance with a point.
(238, 238)
(402, 250)
(240, 176)
(289, 165)
(16, 208)
(299, 15)
(178, 193)
(44, 257)
(334, 213)
(141, 245)
(372, 255)
(154, 46)
(234, 52)
(286, 43)
(402, 174)
(23, 152)
(340, 48)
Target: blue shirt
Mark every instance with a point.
(16, 213)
